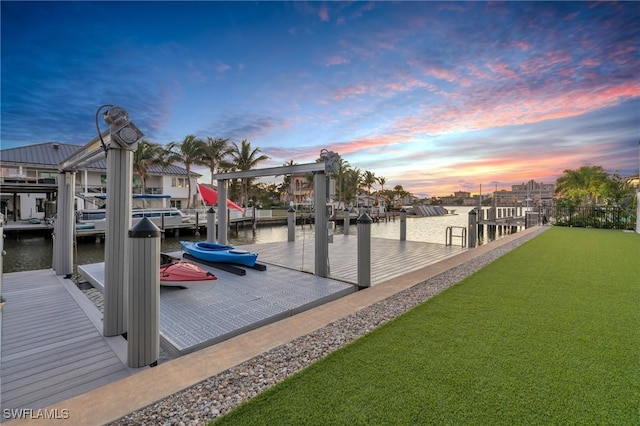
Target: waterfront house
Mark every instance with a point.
(28, 181)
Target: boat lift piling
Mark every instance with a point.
(473, 226)
(347, 221)
(321, 231)
(143, 311)
(197, 233)
(364, 251)
(1, 256)
(211, 225)
(291, 224)
(222, 208)
(320, 170)
(118, 144)
(64, 225)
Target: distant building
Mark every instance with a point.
(533, 193)
(300, 191)
(458, 198)
(29, 181)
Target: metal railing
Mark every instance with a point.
(606, 217)
(449, 236)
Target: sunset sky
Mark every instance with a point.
(434, 96)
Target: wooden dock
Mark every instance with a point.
(389, 258)
(52, 343)
(51, 346)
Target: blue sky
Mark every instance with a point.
(434, 96)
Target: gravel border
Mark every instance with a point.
(219, 394)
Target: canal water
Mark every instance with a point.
(36, 252)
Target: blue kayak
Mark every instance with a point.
(214, 252)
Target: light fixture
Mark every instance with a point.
(123, 131)
(330, 159)
(127, 135)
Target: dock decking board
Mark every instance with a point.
(50, 350)
(52, 347)
(208, 312)
(389, 258)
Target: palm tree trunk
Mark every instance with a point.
(188, 167)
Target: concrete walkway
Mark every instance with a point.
(113, 401)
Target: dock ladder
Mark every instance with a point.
(450, 235)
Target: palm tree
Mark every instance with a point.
(400, 193)
(381, 181)
(190, 151)
(245, 158)
(583, 185)
(146, 155)
(341, 175)
(217, 150)
(368, 180)
(287, 182)
(353, 183)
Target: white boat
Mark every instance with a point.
(162, 216)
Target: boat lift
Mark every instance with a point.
(320, 187)
(117, 144)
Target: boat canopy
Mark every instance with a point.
(135, 196)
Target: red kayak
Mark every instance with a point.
(184, 271)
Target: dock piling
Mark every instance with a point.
(211, 225)
(403, 225)
(347, 221)
(143, 311)
(291, 224)
(473, 220)
(1, 255)
(364, 251)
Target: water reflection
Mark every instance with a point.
(36, 252)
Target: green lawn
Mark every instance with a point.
(547, 334)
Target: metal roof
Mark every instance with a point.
(50, 154)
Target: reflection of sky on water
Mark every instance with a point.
(36, 252)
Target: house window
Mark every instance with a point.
(178, 182)
(177, 204)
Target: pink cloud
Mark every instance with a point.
(352, 90)
(323, 13)
(503, 71)
(441, 73)
(407, 84)
(484, 113)
(522, 45)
